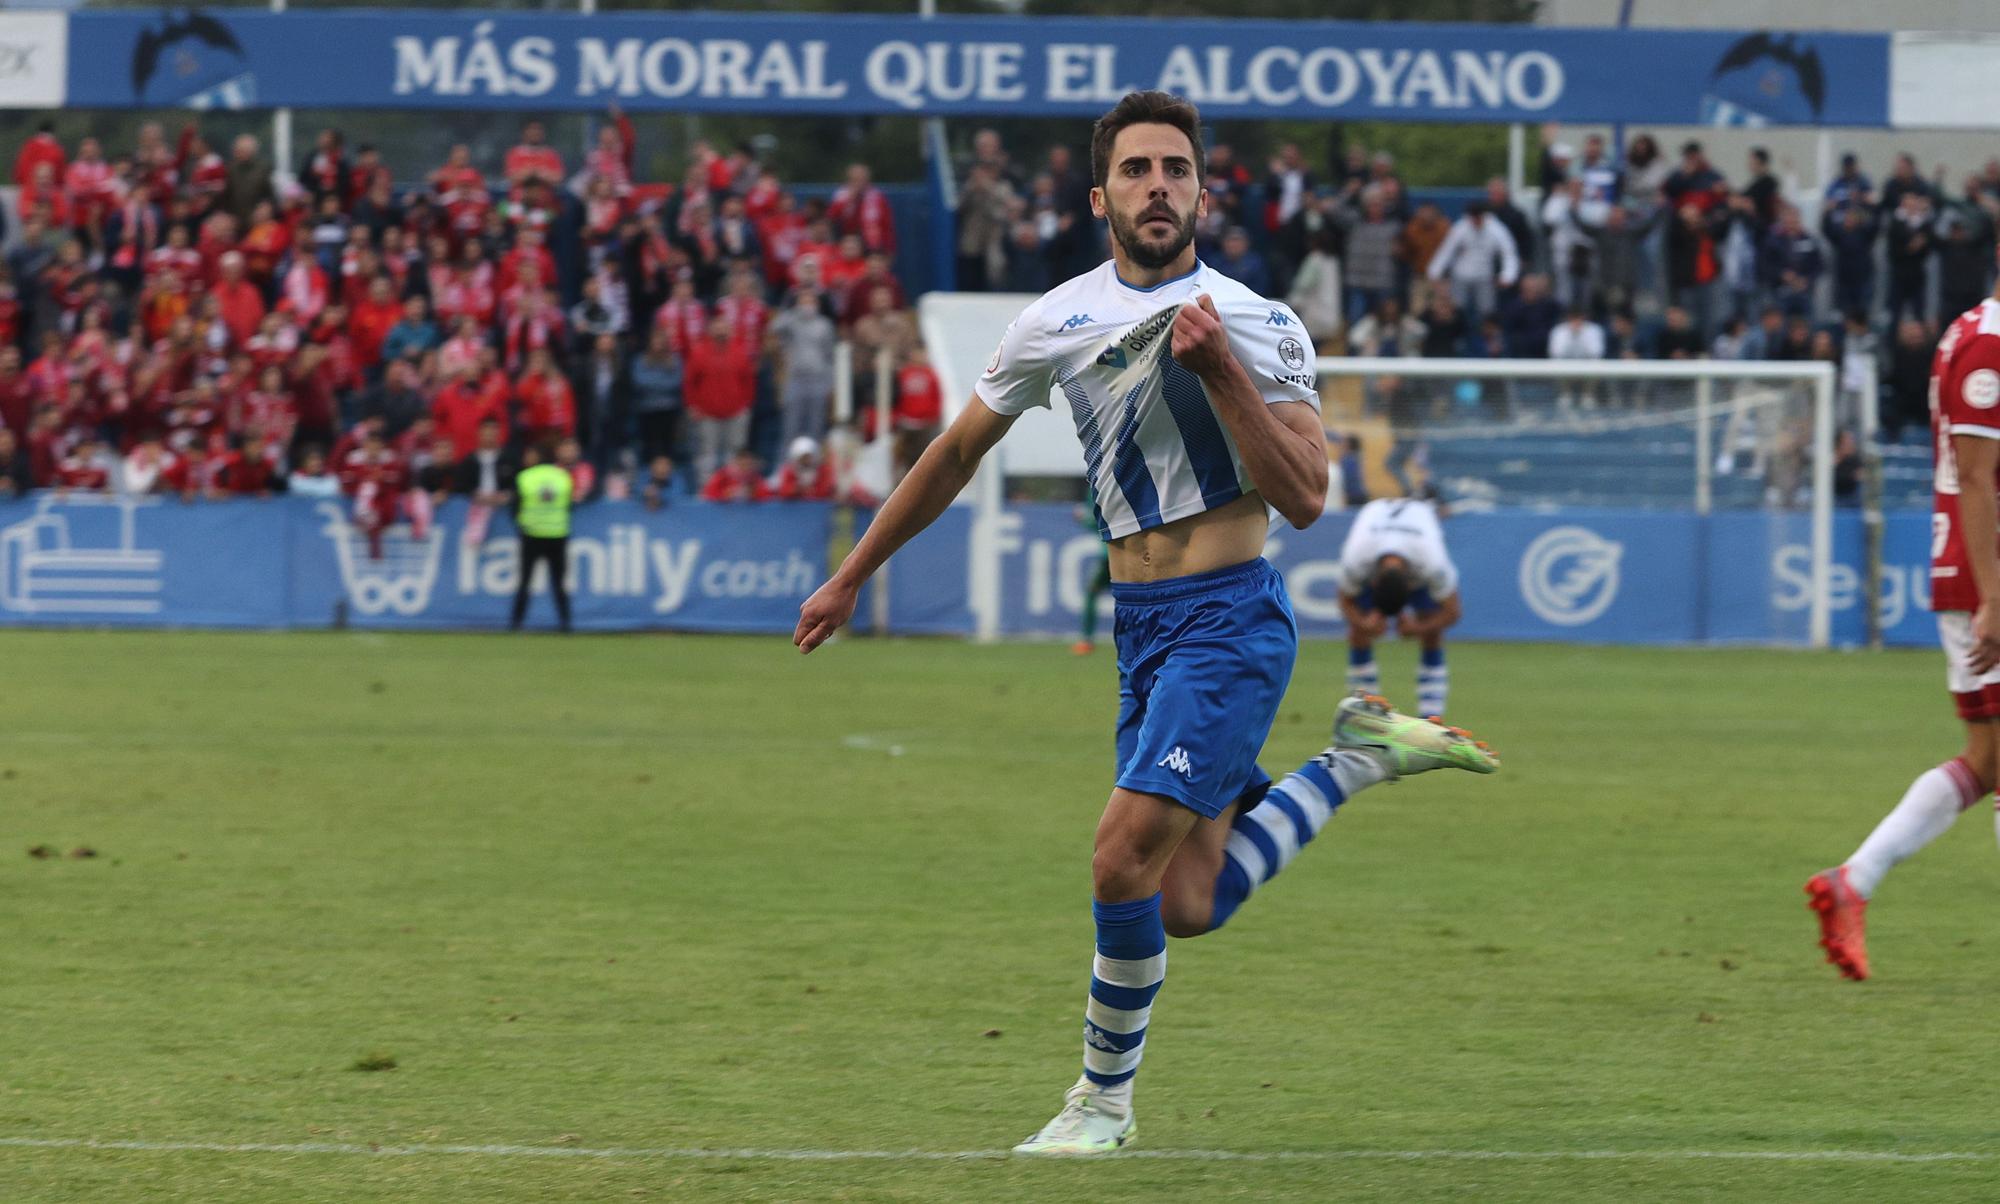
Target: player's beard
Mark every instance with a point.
(1149, 255)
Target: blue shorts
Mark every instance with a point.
(1203, 662)
(1420, 601)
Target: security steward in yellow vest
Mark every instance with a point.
(542, 497)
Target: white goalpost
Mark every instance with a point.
(1751, 403)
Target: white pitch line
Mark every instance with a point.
(667, 1153)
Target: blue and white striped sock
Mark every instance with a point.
(1433, 682)
(1264, 838)
(1361, 674)
(1130, 966)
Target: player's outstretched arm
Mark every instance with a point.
(1282, 444)
(937, 477)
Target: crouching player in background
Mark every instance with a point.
(1965, 585)
(1394, 568)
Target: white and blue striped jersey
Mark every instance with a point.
(1153, 448)
(1405, 527)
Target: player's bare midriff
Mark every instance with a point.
(1199, 543)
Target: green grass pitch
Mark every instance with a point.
(658, 894)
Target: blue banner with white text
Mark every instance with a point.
(301, 563)
(230, 58)
(1583, 576)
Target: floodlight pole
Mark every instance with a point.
(281, 126)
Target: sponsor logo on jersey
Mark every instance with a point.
(1177, 760)
(1113, 357)
(1569, 575)
(1292, 352)
(1073, 322)
(993, 365)
(1982, 389)
(1141, 336)
(1304, 380)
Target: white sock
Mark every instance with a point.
(1117, 1100)
(1930, 806)
(1433, 682)
(1362, 675)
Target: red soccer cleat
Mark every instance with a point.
(1843, 921)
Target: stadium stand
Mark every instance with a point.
(186, 318)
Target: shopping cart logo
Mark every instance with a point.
(80, 556)
(1569, 575)
(400, 581)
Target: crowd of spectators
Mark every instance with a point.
(181, 317)
(1628, 254)
(177, 317)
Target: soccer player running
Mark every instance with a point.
(1194, 400)
(1965, 585)
(1394, 567)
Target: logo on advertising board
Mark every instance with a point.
(34, 60)
(81, 556)
(1569, 575)
(192, 60)
(1766, 79)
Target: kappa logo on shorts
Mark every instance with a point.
(1177, 761)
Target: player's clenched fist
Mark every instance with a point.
(1200, 343)
(822, 614)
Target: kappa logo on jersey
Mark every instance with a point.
(1982, 389)
(1095, 1037)
(1177, 761)
(1292, 352)
(1073, 322)
(1278, 318)
(1569, 575)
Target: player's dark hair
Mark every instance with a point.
(1144, 108)
(1390, 587)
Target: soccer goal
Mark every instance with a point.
(1760, 444)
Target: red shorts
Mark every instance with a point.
(1977, 695)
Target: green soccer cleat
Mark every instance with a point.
(1403, 744)
(1084, 1126)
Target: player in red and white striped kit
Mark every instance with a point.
(1965, 593)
